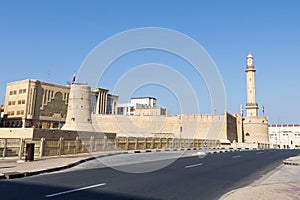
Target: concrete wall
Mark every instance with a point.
(233, 126)
(150, 111)
(16, 132)
(185, 126)
(37, 134)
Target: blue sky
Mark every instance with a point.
(48, 41)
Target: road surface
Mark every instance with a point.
(186, 178)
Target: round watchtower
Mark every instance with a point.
(79, 111)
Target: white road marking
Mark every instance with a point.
(236, 156)
(75, 190)
(260, 152)
(195, 165)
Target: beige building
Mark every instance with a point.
(285, 136)
(33, 103)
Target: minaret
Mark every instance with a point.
(251, 106)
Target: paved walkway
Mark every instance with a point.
(284, 183)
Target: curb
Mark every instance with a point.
(13, 175)
(291, 163)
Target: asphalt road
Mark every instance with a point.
(186, 178)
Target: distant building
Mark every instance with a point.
(149, 102)
(112, 104)
(33, 103)
(141, 106)
(102, 102)
(285, 136)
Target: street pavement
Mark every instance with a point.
(281, 183)
(191, 177)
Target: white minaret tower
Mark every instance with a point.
(251, 106)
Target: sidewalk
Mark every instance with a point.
(12, 168)
(283, 184)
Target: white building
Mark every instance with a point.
(285, 136)
(141, 106)
(146, 102)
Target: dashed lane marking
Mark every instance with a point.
(75, 190)
(195, 165)
(236, 156)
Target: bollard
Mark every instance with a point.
(29, 152)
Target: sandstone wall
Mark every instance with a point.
(185, 126)
(256, 129)
(233, 126)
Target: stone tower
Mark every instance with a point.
(251, 106)
(255, 128)
(79, 111)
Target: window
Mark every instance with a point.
(11, 103)
(14, 92)
(22, 91)
(20, 112)
(10, 113)
(48, 95)
(21, 101)
(45, 96)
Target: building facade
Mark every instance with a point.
(140, 105)
(148, 102)
(285, 136)
(33, 103)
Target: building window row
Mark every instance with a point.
(20, 112)
(12, 103)
(21, 101)
(13, 92)
(11, 113)
(22, 91)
